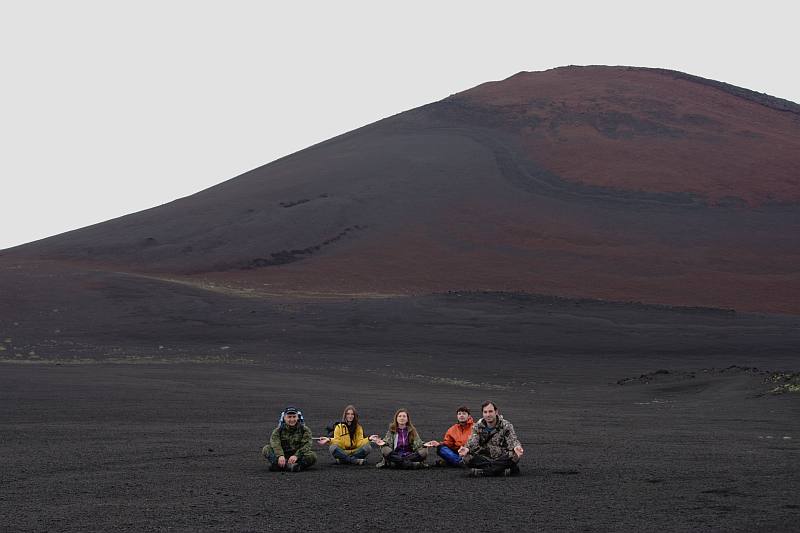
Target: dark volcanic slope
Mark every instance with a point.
(603, 182)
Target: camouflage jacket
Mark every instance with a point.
(496, 442)
(289, 441)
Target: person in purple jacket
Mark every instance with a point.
(402, 446)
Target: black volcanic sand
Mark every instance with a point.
(138, 404)
(100, 446)
(69, 315)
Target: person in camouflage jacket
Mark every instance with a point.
(289, 445)
(493, 447)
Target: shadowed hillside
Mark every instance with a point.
(624, 184)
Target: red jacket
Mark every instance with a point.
(458, 434)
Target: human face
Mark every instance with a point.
(290, 419)
(402, 418)
(490, 414)
(462, 416)
(349, 415)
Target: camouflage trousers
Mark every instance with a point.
(305, 460)
(493, 466)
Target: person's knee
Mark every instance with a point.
(332, 448)
(269, 454)
(385, 450)
(365, 449)
(449, 456)
(423, 453)
(309, 459)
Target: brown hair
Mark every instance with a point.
(352, 427)
(463, 409)
(488, 402)
(412, 431)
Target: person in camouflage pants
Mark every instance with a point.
(289, 446)
(493, 447)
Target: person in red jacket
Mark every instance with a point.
(455, 438)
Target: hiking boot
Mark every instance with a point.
(440, 462)
(338, 461)
(415, 465)
(382, 464)
(475, 472)
(507, 472)
(359, 462)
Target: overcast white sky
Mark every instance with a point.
(110, 107)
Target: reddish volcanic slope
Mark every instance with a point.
(600, 182)
(631, 129)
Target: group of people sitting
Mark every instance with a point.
(486, 447)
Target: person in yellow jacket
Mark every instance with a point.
(348, 446)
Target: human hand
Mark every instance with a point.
(519, 451)
(292, 459)
(431, 443)
(323, 440)
(281, 461)
(463, 451)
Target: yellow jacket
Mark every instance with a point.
(341, 438)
